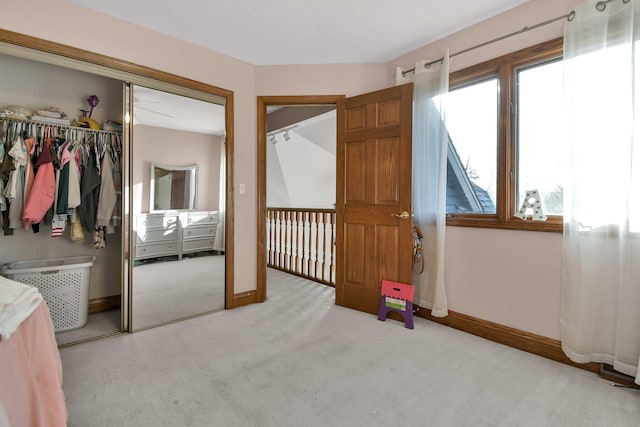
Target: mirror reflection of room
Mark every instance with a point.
(173, 187)
(178, 207)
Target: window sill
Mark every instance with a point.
(552, 225)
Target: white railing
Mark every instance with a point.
(302, 242)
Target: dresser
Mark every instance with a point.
(198, 230)
(157, 234)
(174, 233)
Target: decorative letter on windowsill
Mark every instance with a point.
(531, 201)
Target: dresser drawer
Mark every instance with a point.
(201, 218)
(157, 235)
(195, 245)
(156, 221)
(195, 232)
(156, 249)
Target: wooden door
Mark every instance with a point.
(373, 198)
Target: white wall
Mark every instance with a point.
(337, 79)
(35, 85)
(176, 148)
(308, 172)
(301, 171)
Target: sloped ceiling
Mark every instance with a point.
(301, 171)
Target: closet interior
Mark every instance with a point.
(76, 155)
(59, 165)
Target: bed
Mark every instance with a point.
(31, 375)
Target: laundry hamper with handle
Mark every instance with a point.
(63, 283)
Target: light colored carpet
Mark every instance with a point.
(170, 290)
(98, 324)
(299, 360)
(163, 292)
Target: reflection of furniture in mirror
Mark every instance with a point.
(198, 231)
(178, 244)
(173, 187)
(172, 233)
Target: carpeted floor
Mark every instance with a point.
(164, 291)
(299, 360)
(170, 290)
(98, 324)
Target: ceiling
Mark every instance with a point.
(272, 32)
(287, 32)
(165, 110)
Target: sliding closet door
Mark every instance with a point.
(177, 207)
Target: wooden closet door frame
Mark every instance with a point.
(52, 52)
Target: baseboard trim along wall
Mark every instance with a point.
(244, 298)
(98, 305)
(522, 340)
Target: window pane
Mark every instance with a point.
(472, 121)
(540, 151)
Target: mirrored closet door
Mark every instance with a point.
(178, 210)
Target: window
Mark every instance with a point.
(504, 120)
(472, 117)
(539, 161)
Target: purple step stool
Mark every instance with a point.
(397, 297)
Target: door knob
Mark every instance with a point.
(401, 215)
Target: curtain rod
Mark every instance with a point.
(600, 6)
(569, 16)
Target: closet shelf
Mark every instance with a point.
(59, 126)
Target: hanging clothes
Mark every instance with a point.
(74, 195)
(14, 188)
(107, 198)
(116, 216)
(29, 174)
(43, 192)
(89, 189)
(62, 180)
(6, 166)
(54, 181)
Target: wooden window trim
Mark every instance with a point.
(505, 69)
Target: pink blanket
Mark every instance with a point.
(31, 374)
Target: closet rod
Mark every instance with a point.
(569, 16)
(60, 126)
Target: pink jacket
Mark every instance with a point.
(43, 191)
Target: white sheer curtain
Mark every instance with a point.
(218, 243)
(600, 319)
(430, 142)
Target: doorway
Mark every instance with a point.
(373, 192)
(266, 142)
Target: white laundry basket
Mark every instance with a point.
(63, 283)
